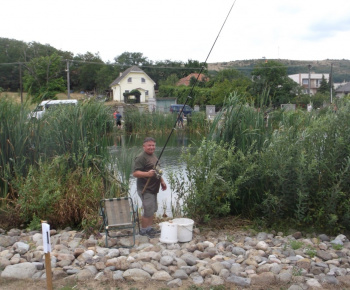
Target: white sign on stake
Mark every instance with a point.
(46, 237)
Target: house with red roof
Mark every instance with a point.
(186, 80)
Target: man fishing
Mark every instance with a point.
(149, 180)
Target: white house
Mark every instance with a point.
(315, 81)
(131, 79)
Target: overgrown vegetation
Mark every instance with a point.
(55, 168)
(145, 122)
(292, 167)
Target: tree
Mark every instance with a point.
(87, 68)
(272, 77)
(105, 76)
(43, 79)
(127, 59)
(324, 86)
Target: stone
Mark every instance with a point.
(149, 268)
(239, 281)
(313, 284)
(217, 267)
(21, 247)
(297, 235)
(323, 255)
(238, 251)
(161, 276)
(189, 259)
(180, 274)
(166, 260)
(262, 246)
(263, 279)
(261, 236)
(6, 241)
(175, 283)
(19, 271)
(136, 275)
(216, 280)
(118, 276)
(304, 263)
(295, 287)
(196, 278)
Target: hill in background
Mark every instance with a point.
(340, 70)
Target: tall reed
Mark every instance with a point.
(293, 170)
(64, 142)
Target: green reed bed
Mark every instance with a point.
(158, 122)
(55, 168)
(295, 170)
(146, 122)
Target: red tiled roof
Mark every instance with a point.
(186, 80)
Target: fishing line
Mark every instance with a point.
(194, 84)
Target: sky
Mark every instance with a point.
(180, 30)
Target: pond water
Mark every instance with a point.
(170, 161)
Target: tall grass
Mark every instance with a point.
(158, 122)
(145, 122)
(61, 159)
(295, 169)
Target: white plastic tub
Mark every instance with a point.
(168, 234)
(184, 229)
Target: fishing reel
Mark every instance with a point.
(159, 172)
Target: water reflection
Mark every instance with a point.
(170, 161)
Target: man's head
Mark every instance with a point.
(149, 145)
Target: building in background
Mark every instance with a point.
(315, 81)
(133, 79)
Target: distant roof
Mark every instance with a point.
(134, 68)
(344, 89)
(186, 80)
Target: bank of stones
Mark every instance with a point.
(210, 259)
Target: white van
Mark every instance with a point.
(49, 104)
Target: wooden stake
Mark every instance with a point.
(48, 271)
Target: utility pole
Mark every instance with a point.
(68, 81)
(20, 82)
(331, 82)
(309, 79)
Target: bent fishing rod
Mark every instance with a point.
(188, 97)
(193, 86)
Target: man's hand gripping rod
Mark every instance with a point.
(158, 173)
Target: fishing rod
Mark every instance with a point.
(194, 84)
(158, 174)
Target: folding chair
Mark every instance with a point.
(119, 214)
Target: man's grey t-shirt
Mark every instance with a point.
(145, 162)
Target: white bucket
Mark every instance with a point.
(184, 229)
(168, 232)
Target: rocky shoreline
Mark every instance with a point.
(245, 260)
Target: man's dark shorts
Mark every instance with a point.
(149, 203)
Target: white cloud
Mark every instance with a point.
(182, 30)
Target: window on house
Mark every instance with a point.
(143, 80)
(146, 93)
(318, 83)
(129, 80)
(127, 91)
(305, 81)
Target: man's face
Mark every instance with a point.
(149, 147)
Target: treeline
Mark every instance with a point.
(88, 72)
(45, 68)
